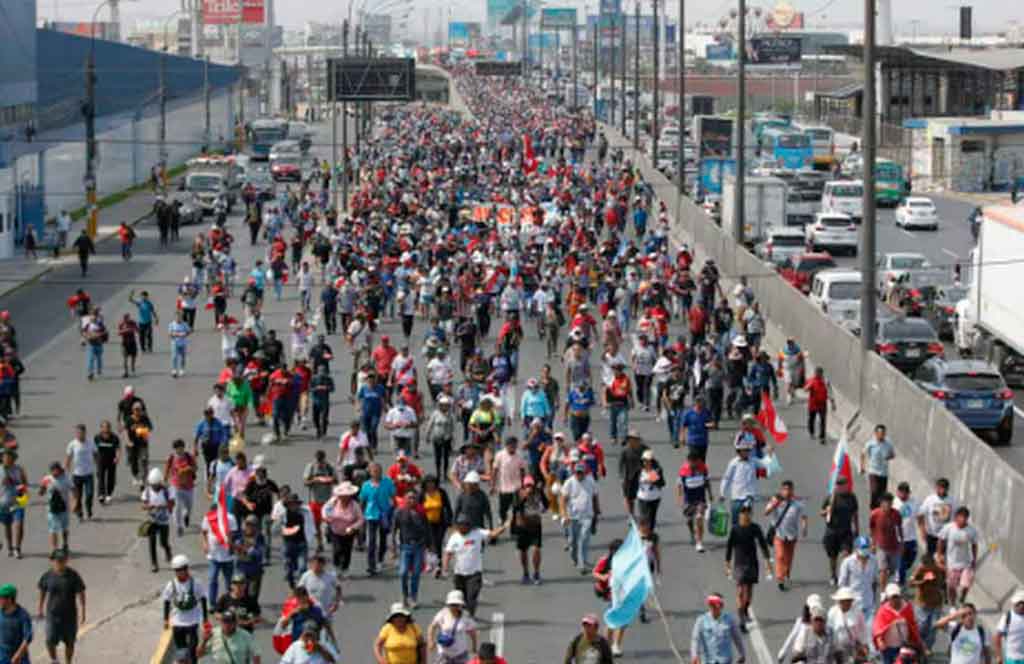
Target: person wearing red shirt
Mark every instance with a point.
(886, 526)
(488, 654)
(592, 454)
(280, 404)
(584, 322)
(404, 473)
(819, 395)
(383, 355)
(127, 236)
(698, 318)
(305, 375)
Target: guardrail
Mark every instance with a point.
(934, 440)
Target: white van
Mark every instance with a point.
(837, 292)
(844, 197)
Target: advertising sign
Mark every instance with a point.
(497, 10)
(103, 29)
(719, 52)
(554, 19)
(714, 136)
(222, 12)
(773, 52)
(712, 174)
(461, 34)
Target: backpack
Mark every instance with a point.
(57, 504)
(981, 634)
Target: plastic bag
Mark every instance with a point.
(718, 520)
(236, 445)
(772, 465)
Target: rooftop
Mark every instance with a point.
(994, 59)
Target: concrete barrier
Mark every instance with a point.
(926, 434)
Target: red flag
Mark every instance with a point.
(218, 519)
(529, 158)
(771, 420)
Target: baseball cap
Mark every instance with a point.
(590, 619)
(8, 591)
(893, 590)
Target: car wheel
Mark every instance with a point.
(1004, 434)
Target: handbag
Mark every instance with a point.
(446, 638)
(770, 535)
(145, 528)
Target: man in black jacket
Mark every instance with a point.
(85, 248)
(630, 463)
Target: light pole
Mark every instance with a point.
(741, 124)
(867, 250)
(681, 106)
(654, 115)
(90, 127)
(162, 132)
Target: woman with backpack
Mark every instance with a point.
(158, 503)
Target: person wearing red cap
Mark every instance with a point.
(589, 646)
(715, 635)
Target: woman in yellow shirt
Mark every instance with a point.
(438, 510)
(400, 640)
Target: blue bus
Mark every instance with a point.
(262, 134)
(764, 121)
(792, 148)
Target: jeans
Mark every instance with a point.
(410, 566)
(370, 423)
(146, 337)
(674, 418)
(618, 422)
(321, 417)
(715, 398)
(926, 618)
(186, 637)
(84, 492)
(138, 460)
(376, 543)
(281, 414)
(296, 555)
(94, 359)
(182, 506)
(822, 417)
(342, 548)
(177, 357)
(890, 655)
(579, 425)
(226, 568)
(579, 541)
(907, 560)
(159, 531)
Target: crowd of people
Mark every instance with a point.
(472, 232)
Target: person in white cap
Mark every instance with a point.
(739, 481)
(816, 644)
(848, 626)
(463, 555)
(1008, 640)
(158, 502)
(894, 626)
(185, 607)
(454, 632)
(803, 622)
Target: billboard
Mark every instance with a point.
(223, 12)
(712, 174)
(498, 68)
(720, 52)
(104, 29)
(794, 22)
(773, 52)
(714, 136)
(462, 34)
(554, 19)
(497, 10)
(374, 79)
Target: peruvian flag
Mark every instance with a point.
(842, 466)
(218, 519)
(771, 420)
(529, 158)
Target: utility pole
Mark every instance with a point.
(344, 126)
(357, 106)
(611, 68)
(657, 108)
(636, 77)
(333, 99)
(622, 73)
(162, 158)
(526, 43)
(597, 67)
(575, 72)
(90, 142)
(681, 107)
(741, 125)
(206, 103)
(867, 249)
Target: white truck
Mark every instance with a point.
(765, 206)
(210, 178)
(990, 322)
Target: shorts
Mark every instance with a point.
(691, 510)
(837, 541)
(317, 510)
(59, 631)
(7, 517)
(629, 490)
(959, 578)
(57, 523)
(890, 560)
(527, 537)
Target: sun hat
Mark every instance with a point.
(398, 609)
(346, 488)
(472, 477)
(455, 598)
(844, 594)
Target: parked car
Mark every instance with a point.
(781, 245)
(907, 342)
(917, 212)
(801, 270)
(834, 232)
(974, 391)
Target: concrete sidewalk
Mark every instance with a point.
(21, 270)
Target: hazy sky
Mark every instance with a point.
(934, 15)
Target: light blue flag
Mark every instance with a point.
(631, 581)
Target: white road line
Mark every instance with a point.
(950, 253)
(757, 642)
(497, 635)
(907, 233)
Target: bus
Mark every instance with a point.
(891, 185)
(262, 134)
(823, 145)
(791, 148)
(763, 121)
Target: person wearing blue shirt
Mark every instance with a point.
(259, 274)
(146, 313)
(371, 406)
(697, 421)
(210, 434)
(577, 409)
(377, 497)
(715, 636)
(15, 627)
(534, 404)
(640, 220)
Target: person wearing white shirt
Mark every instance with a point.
(350, 441)
(579, 507)
(739, 482)
(218, 553)
(322, 585)
(401, 421)
(453, 631)
(848, 626)
(935, 512)
(908, 508)
(80, 464)
(1008, 641)
(221, 406)
(464, 557)
(309, 649)
(968, 643)
(439, 374)
(185, 606)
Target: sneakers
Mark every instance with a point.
(537, 580)
(616, 650)
(700, 547)
(525, 580)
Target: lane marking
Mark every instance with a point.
(906, 232)
(497, 634)
(950, 253)
(760, 646)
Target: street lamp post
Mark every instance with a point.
(657, 108)
(681, 107)
(90, 127)
(741, 125)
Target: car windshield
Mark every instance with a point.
(204, 182)
(848, 191)
(908, 262)
(813, 264)
(908, 328)
(844, 290)
(922, 205)
(819, 134)
(792, 141)
(974, 382)
(788, 241)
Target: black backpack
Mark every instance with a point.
(57, 504)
